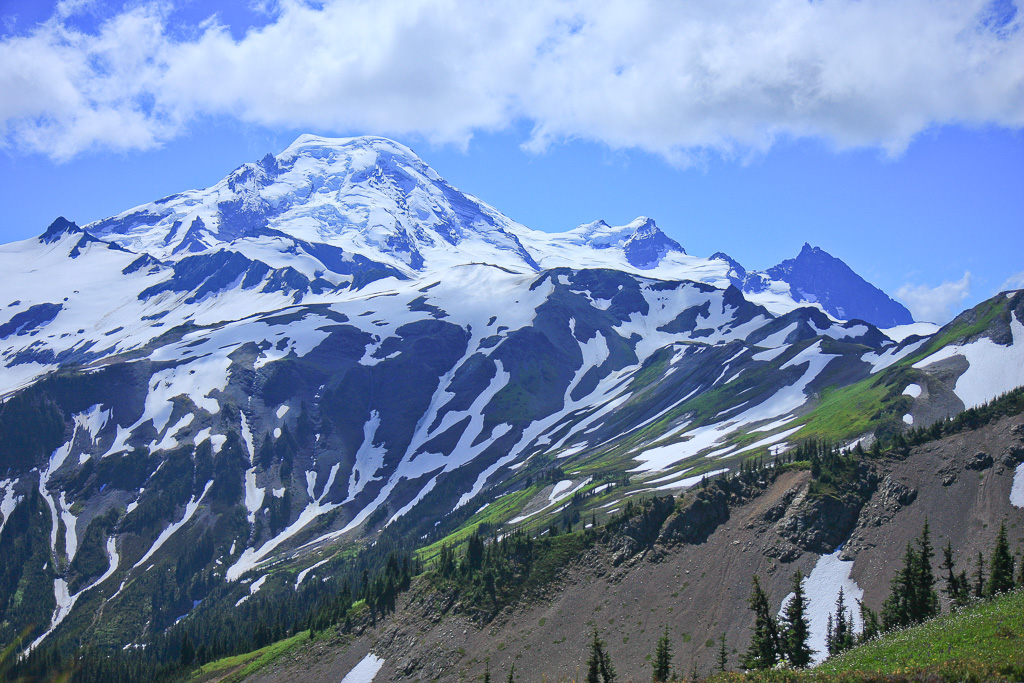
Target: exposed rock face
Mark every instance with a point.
(821, 523)
(980, 461)
(817, 276)
(895, 494)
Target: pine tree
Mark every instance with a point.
(956, 584)
(599, 665)
(764, 645)
(924, 601)
(511, 674)
(1000, 576)
(723, 654)
(841, 627)
(869, 620)
(979, 577)
(487, 672)
(896, 608)
(662, 659)
(188, 650)
(795, 628)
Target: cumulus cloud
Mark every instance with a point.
(671, 78)
(935, 304)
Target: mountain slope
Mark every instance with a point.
(333, 344)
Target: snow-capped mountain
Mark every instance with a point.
(334, 340)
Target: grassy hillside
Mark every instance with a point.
(981, 643)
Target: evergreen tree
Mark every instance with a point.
(487, 672)
(869, 619)
(979, 577)
(896, 608)
(1000, 576)
(511, 674)
(723, 654)
(956, 584)
(795, 628)
(188, 650)
(764, 644)
(662, 659)
(924, 601)
(842, 627)
(599, 665)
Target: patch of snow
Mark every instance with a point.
(908, 419)
(912, 390)
(559, 488)
(893, 354)
(9, 501)
(251, 557)
(258, 584)
(691, 481)
(553, 500)
(369, 458)
(1017, 492)
(302, 575)
(70, 528)
(190, 509)
(821, 587)
(993, 368)
(281, 411)
(900, 332)
(365, 671)
(254, 495)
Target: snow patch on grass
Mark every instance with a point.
(994, 368)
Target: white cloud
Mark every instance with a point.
(667, 77)
(1015, 281)
(935, 304)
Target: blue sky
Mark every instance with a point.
(888, 133)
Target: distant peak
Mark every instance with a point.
(644, 224)
(808, 250)
(59, 227)
(311, 144)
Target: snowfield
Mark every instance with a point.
(821, 587)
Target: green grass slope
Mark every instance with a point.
(978, 644)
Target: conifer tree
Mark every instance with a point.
(842, 627)
(188, 650)
(1000, 576)
(924, 601)
(869, 619)
(764, 644)
(795, 628)
(511, 674)
(723, 654)
(896, 608)
(487, 672)
(599, 665)
(956, 584)
(662, 659)
(979, 577)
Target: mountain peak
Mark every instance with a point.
(60, 226)
(648, 245)
(816, 276)
(318, 146)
